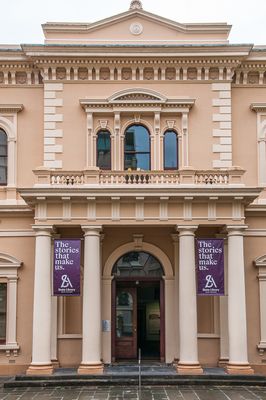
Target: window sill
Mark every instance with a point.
(70, 336)
(9, 347)
(208, 336)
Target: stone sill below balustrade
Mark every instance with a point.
(91, 177)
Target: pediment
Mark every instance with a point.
(137, 95)
(260, 261)
(135, 26)
(7, 261)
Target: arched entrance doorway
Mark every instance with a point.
(138, 319)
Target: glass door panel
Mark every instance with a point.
(126, 323)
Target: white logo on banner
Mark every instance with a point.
(66, 283)
(210, 282)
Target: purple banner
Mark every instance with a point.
(210, 267)
(66, 267)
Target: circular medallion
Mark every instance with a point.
(136, 28)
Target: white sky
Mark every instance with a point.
(20, 20)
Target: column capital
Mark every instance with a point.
(90, 230)
(236, 230)
(43, 230)
(186, 230)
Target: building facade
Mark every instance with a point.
(135, 134)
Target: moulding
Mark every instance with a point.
(161, 58)
(11, 108)
(258, 107)
(137, 99)
(260, 261)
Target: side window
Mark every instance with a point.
(3, 157)
(137, 148)
(8, 303)
(104, 150)
(170, 150)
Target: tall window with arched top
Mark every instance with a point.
(170, 150)
(3, 157)
(104, 150)
(137, 148)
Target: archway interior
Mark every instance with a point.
(138, 306)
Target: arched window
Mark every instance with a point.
(170, 150)
(138, 264)
(104, 150)
(137, 148)
(3, 157)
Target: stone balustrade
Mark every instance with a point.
(215, 177)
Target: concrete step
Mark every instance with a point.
(127, 380)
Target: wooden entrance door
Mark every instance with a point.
(126, 323)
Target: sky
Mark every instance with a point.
(20, 20)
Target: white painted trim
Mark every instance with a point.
(261, 140)
(255, 233)
(15, 233)
(69, 336)
(260, 263)
(107, 218)
(10, 128)
(208, 336)
(9, 271)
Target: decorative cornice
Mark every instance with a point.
(11, 108)
(141, 60)
(246, 65)
(95, 104)
(25, 66)
(146, 49)
(249, 194)
(258, 107)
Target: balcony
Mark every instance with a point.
(213, 177)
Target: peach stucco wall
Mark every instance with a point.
(30, 130)
(71, 76)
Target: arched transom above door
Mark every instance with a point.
(149, 248)
(138, 264)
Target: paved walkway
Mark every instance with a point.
(131, 393)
